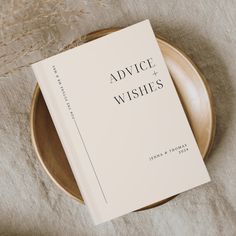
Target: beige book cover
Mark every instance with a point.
(121, 122)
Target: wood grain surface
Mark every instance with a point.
(30, 30)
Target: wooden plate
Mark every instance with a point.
(192, 88)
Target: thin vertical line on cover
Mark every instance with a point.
(77, 127)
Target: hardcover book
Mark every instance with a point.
(121, 122)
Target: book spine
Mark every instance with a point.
(57, 117)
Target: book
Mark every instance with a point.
(121, 122)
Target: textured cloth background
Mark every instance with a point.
(30, 30)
